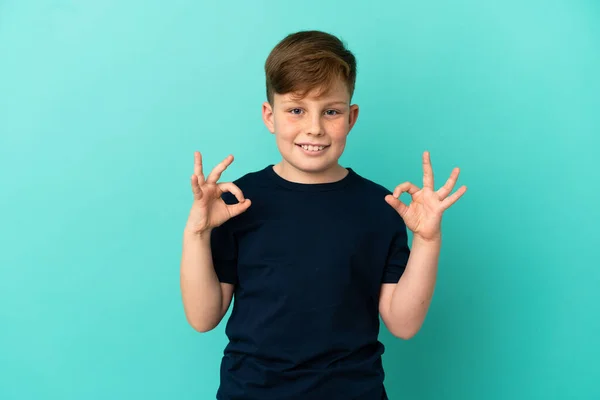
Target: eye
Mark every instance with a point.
(332, 113)
(296, 111)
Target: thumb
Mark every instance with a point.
(238, 208)
(396, 204)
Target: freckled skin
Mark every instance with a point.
(325, 119)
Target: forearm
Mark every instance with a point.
(200, 286)
(414, 291)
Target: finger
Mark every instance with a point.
(427, 171)
(398, 205)
(233, 189)
(405, 187)
(237, 209)
(215, 174)
(196, 187)
(445, 190)
(448, 201)
(198, 167)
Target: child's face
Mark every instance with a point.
(311, 132)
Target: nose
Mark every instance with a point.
(315, 126)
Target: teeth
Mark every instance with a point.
(313, 148)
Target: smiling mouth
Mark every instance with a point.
(315, 149)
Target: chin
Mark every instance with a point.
(313, 166)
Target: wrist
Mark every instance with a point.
(197, 235)
(435, 240)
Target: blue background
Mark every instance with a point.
(102, 104)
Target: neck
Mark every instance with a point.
(293, 174)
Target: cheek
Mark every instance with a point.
(339, 130)
(283, 136)
(285, 129)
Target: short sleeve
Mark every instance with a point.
(397, 255)
(224, 250)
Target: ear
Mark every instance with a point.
(353, 116)
(268, 117)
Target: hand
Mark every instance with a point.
(209, 210)
(424, 214)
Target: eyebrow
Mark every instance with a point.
(336, 102)
(331, 103)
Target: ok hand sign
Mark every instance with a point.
(424, 214)
(209, 210)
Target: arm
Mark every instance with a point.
(403, 306)
(205, 299)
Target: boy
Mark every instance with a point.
(310, 249)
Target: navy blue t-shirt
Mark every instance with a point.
(307, 261)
